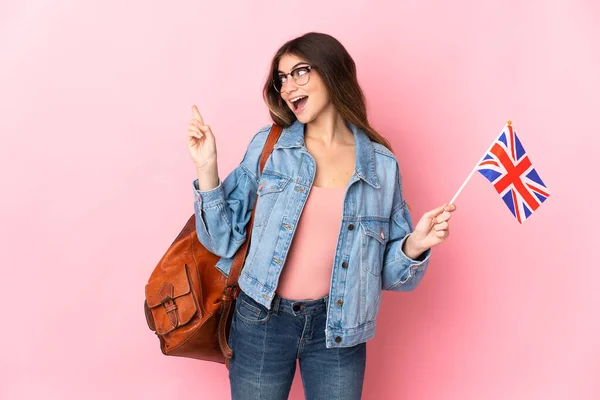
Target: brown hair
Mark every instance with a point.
(338, 71)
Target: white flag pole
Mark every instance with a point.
(475, 168)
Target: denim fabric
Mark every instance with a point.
(267, 342)
(368, 256)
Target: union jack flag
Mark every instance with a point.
(508, 168)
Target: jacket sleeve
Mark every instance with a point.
(222, 213)
(401, 273)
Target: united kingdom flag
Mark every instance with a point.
(508, 168)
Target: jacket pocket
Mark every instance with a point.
(270, 187)
(375, 235)
(271, 183)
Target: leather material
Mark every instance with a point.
(189, 302)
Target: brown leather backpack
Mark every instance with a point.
(188, 300)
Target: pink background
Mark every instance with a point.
(96, 183)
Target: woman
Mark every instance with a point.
(332, 185)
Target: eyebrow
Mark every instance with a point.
(294, 67)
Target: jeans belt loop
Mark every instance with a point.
(275, 305)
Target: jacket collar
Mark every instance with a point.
(293, 136)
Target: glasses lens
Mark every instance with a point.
(278, 82)
(301, 75)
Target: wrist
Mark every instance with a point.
(208, 176)
(207, 166)
(412, 249)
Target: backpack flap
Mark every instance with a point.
(170, 301)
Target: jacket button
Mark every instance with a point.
(344, 264)
(340, 302)
(350, 227)
(338, 339)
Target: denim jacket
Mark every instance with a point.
(368, 256)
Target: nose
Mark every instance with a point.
(291, 82)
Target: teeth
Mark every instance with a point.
(295, 99)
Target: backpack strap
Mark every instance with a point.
(231, 290)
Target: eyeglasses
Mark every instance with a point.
(300, 75)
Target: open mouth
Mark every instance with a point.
(299, 103)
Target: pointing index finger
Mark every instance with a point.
(197, 114)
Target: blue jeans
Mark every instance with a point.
(266, 344)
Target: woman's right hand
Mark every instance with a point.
(201, 141)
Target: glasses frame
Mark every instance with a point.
(307, 67)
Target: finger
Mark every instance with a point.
(442, 234)
(193, 125)
(193, 136)
(197, 114)
(450, 207)
(195, 133)
(204, 128)
(445, 216)
(441, 227)
(435, 212)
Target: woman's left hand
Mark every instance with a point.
(432, 229)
